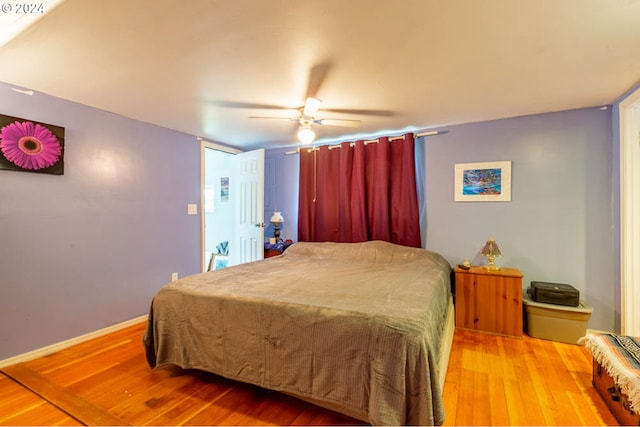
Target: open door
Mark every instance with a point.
(232, 186)
(249, 242)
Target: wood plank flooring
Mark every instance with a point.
(492, 380)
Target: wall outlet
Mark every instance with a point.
(192, 209)
(174, 277)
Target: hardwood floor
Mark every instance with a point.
(492, 380)
(498, 380)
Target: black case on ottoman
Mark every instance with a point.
(554, 293)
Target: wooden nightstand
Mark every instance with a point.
(268, 253)
(276, 249)
(489, 301)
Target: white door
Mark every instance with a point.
(231, 215)
(249, 187)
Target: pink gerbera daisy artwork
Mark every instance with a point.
(29, 145)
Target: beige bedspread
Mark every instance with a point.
(355, 327)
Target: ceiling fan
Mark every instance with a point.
(307, 117)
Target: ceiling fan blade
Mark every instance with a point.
(294, 119)
(317, 76)
(311, 107)
(251, 105)
(339, 122)
(379, 113)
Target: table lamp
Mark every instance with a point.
(491, 251)
(276, 220)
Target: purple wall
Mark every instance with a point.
(89, 249)
(559, 226)
(281, 191)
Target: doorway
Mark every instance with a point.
(226, 227)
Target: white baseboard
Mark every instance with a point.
(50, 349)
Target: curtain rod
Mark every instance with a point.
(371, 141)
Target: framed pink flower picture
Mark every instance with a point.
(31, 146)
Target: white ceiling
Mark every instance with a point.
(204, 66)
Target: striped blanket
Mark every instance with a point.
(620, 356)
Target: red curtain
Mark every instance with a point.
(359, 193)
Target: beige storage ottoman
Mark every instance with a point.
(556, 322)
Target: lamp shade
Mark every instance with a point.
(276, 217)
(491, 248)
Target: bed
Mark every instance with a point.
(364, 329)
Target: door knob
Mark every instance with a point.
(260, 225)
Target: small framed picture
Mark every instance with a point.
(224, 189)
(483, 182)
(220, 262)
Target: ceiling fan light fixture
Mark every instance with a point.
(306, 135)
(311, 107)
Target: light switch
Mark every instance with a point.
(192, 209)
